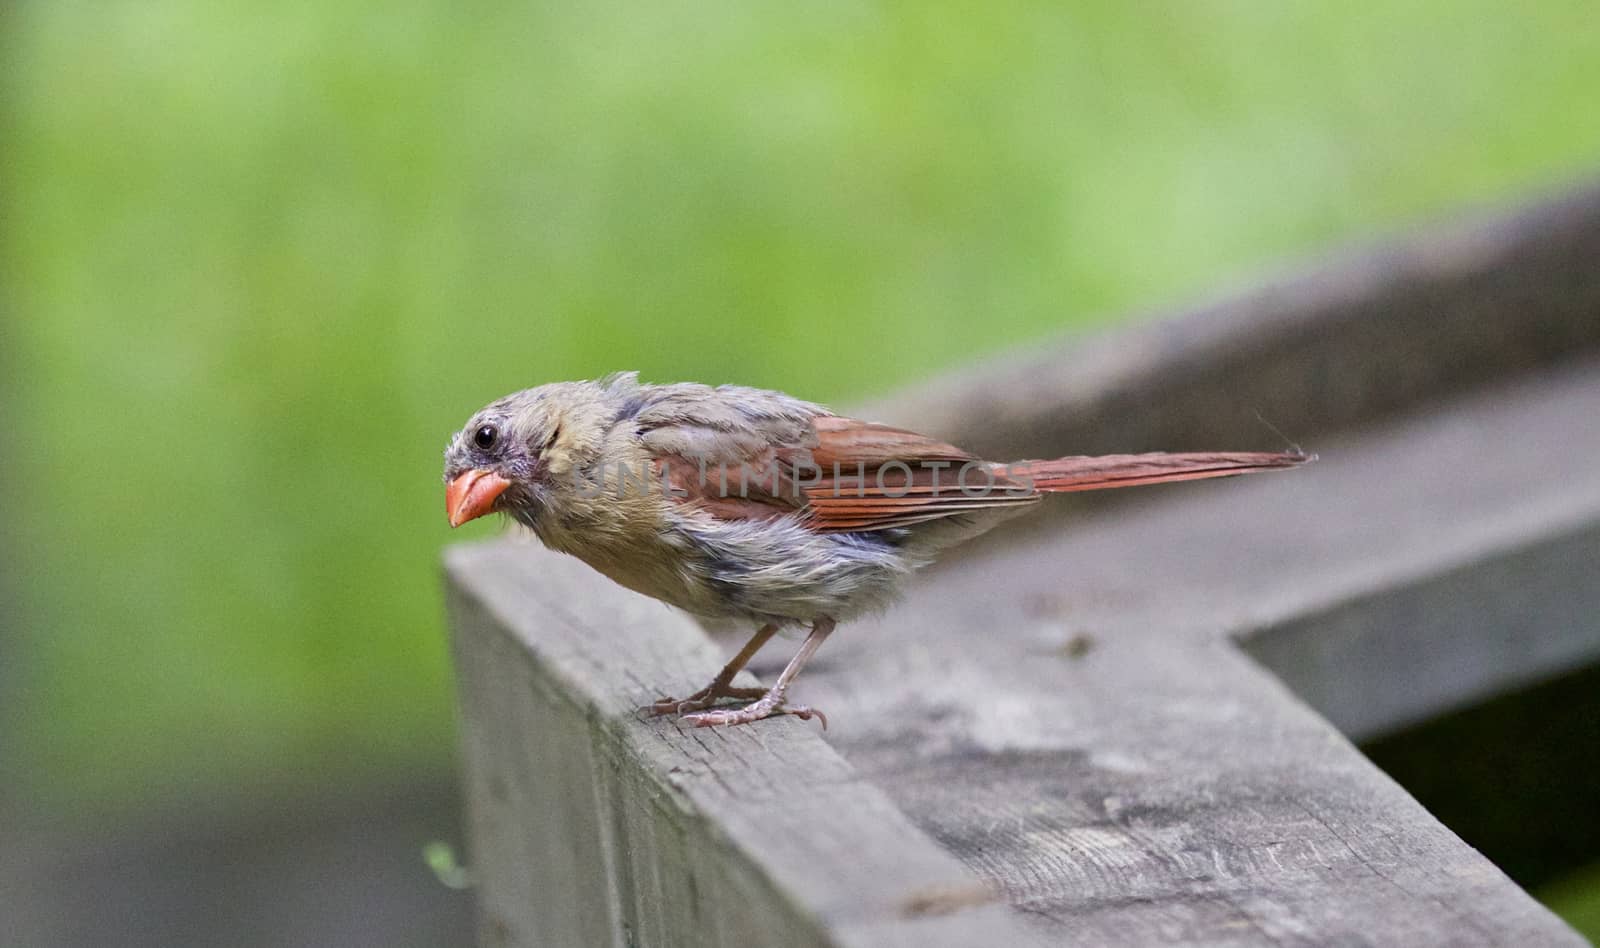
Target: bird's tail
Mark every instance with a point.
(1134, 470)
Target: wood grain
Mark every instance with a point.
(591, 824)
(1072, 714)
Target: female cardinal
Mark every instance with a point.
(741, 503)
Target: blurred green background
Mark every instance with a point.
(260, 259)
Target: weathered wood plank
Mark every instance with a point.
(1402, 655)
(592, 825)
(1070, 713)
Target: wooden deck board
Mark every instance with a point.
(593, 824)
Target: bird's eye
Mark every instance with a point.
(485, 436)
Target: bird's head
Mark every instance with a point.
(511, 453)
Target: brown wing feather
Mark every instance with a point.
(874, 477)
(848, 442)
(745, 454)
(738, 460)
(1063, 475)
(726, 450)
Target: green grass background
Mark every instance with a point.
(260, 259)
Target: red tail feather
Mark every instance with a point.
(1134, 470)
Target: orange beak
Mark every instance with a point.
(472, 495)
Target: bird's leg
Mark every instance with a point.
(721, 686)
(773, 701)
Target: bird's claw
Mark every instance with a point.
(703, 699)
(764, 708)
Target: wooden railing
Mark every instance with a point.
(1130, 727)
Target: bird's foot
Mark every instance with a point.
(770, 703)
(705, 698)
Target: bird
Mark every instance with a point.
(750, 505)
